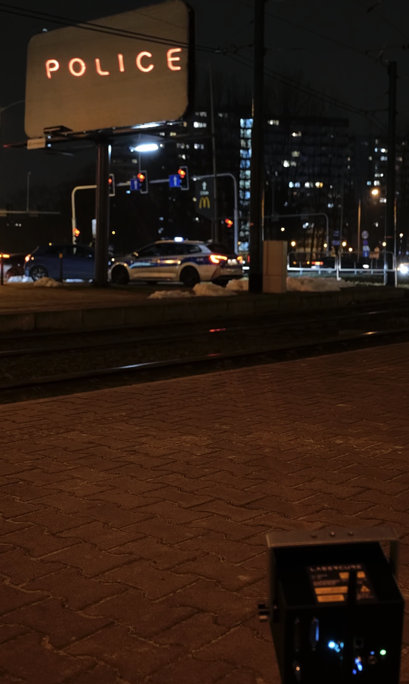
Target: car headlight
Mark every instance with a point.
(404, 269)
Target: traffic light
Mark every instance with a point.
(76, 232)
(183, 174)
(143, 182)
(228, 222)
(111, 185)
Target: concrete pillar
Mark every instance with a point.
(274, 266)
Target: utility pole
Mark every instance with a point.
(257, 158)
(390, 237)
(102, 213)
(215, 220)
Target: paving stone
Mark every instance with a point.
(91, 560)
(103, 536)
(154, 517)
(154, 582)
(35, 541)
(160, 555)
(196, 631)
(144, 616)
(20, 568)
(55, 621)
(44, 663)
(76, 591)
(133, 657)
(190, 670)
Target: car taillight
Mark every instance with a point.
(217, 258)
(317, 263)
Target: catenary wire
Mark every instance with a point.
(308, 91)
(92, 26)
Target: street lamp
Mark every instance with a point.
(375, 192)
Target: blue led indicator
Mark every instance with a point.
(331, 644)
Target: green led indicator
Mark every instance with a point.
(382, 652)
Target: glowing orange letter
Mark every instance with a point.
(99, 70)
(172, 59)
(50, 66)
(83, 66)
(121, 63)
(139, 62)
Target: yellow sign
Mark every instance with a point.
(204, 203)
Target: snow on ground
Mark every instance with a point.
(305, 284)
(19, 279)
(169, 294)
(241, 285)
(211, 290)
(47, 282)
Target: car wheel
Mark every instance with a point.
(38, 272)
(189, 276)
(120, 275)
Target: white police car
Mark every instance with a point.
(187, 261)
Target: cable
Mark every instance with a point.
(92, 26)
(309, 91)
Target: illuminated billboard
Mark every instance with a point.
(119, 71)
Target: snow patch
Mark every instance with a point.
(47, 282)
(169, 294)
(19, 279)
(306, 284)
(211, 290)
(241, 285)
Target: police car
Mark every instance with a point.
(185, 261)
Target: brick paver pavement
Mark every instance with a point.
(133, 520)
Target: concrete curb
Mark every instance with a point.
(155, 312)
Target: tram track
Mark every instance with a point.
(186, 362)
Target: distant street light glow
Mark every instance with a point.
(146, 147)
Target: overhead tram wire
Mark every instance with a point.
(308, 30)
(308, 91)
(92, 26)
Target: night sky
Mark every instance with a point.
(321, 41)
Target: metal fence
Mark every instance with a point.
(347, 263)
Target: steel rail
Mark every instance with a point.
(366, 337)
(351, 315)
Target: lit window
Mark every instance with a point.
(286, 164)
(383, 150)
(308, 185)
(383, 200)
(274, 122)
(319, 184)
(199, 147)
(297, 185)
(295, 153)
(199, 124)
(201, 114)
(384, 158)
(291, 185)
(330, 205)
(377, 182)
(296, 134)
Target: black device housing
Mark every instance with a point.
(335, 611)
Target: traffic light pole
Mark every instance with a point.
(102, 213)
(257, 158)
(390, 191)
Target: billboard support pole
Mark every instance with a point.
(102, 213)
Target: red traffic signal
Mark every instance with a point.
(228, 223)
(76, 232)
(142, 177)
(111, 185)
(184, 177)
